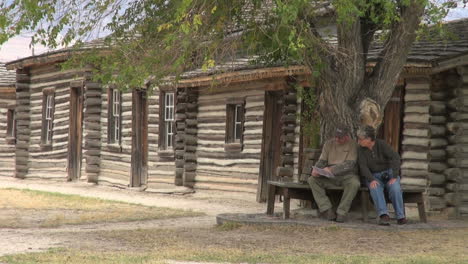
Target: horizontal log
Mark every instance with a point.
(438, 143)
(452, 187)
(414, 155)
(436, 203)
(288, 119)
(436, 178)
(459, 116)
(415, 165)
(415, 141)
(459, 139)
(437, 154)
(416, 118)
(409, 97)
(438, 108)
(418, 83)
(450, 198)
(458, 162)
(438, 119)
(438, 96)
(189, 179)
(190, 157)
(435, 191)
(453, 174)
(436, 131)
(437, 166)
(190, 167)
(459, 104)
(420, 182)
(416, 132)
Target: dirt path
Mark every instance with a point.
(38, 239)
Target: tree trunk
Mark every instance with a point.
(344, 82)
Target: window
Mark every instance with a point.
(235, 121)
(48, 104)
(11, 127)
(114, 134)
(166, 124)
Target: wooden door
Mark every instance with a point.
(271, 141)
(139, 139)
(390, 130)
(75, 134)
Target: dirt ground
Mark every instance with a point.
(198, 232)
(16, 240)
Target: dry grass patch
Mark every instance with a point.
(27, 208)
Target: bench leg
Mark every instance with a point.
(421, 209)
(364, 205)
(271, 200)
(286, 203)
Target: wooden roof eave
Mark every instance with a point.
(240, 76)
(46, 58)
(451, 63)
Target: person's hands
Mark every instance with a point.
(328, 169)
(315, 173)
(392, 181)
(373, 184)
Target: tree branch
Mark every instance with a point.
(395, 51)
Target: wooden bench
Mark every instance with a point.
(296, 190)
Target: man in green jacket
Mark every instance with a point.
(338, 160)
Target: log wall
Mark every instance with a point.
(288, 170)
(7, 149)
(92, 130)
(115, 161)
(160, 163)
(438, 143)
(416, 142)
(216, 169)
(456, 186)
(31, 159)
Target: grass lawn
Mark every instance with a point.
(28, 208)
(267, 244)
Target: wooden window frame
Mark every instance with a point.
(167, 103)
(48, 110)
(11, 126)
(235, 119)
(114, 117)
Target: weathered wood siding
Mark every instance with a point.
(92, 132)
(456, 186)
(115, 163)
(7, 149)
(161, 165)
(416, 141)
(36, 162)
(217, 169)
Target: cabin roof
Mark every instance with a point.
(434, 51)
(55, 55)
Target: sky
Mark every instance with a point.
(18, 47)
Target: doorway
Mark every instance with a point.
(75, 134)
(271, 143)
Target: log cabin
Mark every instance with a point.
(233, 127)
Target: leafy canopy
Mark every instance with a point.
(163, 38)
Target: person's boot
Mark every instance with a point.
(384, 220)
(328, 215)
(341, 218)
(402, 221)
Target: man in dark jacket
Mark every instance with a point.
(380, 166)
